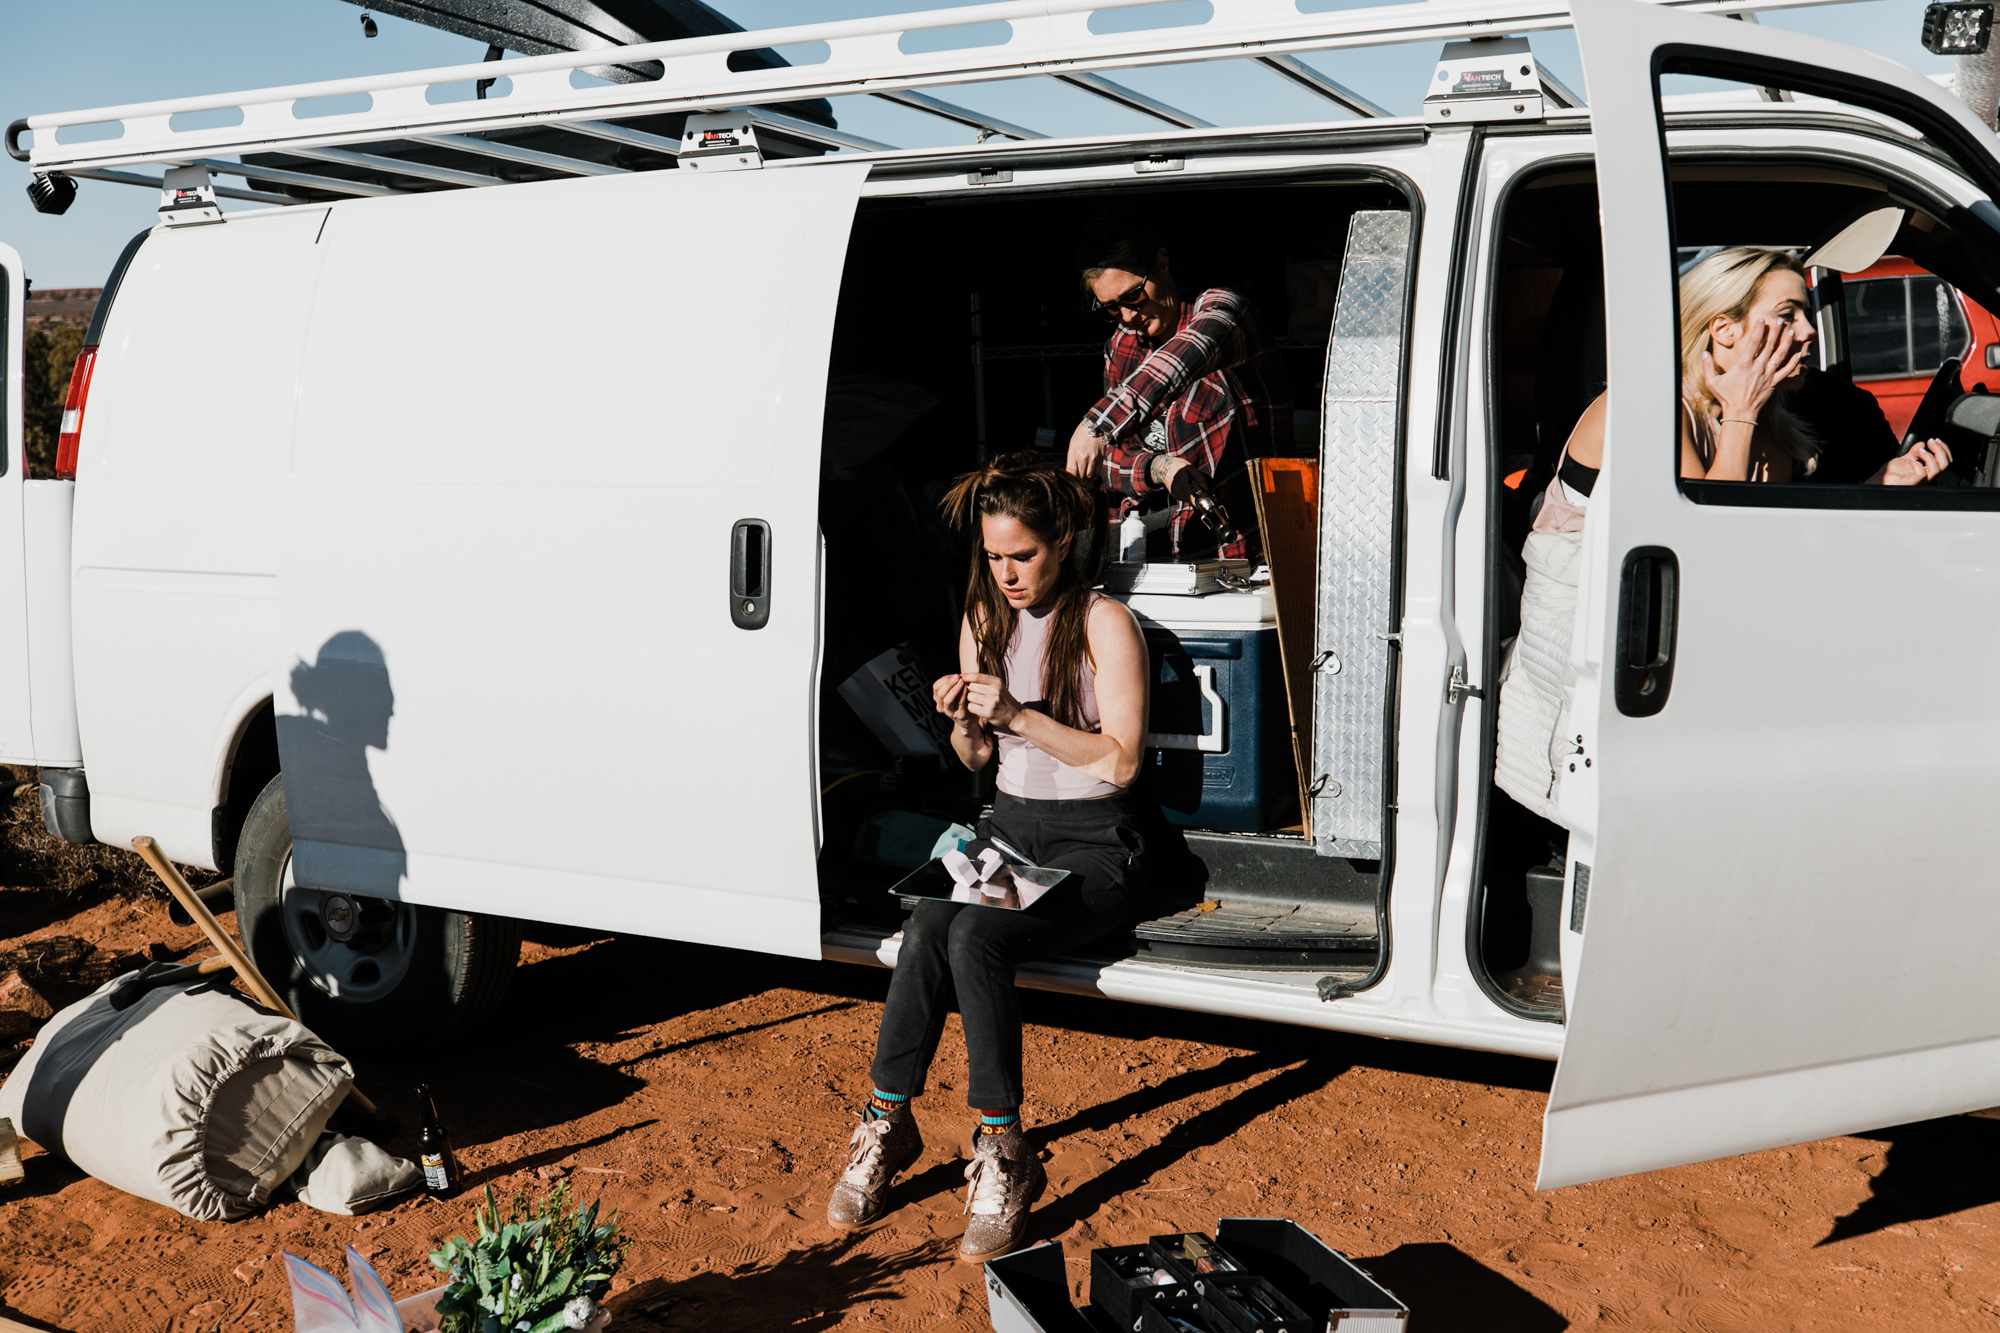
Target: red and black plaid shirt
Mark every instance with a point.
(1183, 397)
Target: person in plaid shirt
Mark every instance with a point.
(1176, 415)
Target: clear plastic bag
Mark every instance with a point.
(320, 1304)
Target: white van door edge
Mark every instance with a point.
(1783, 880)
(17, 736)
(551, 653)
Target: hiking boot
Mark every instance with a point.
(1006, 1177)
(882, 1145)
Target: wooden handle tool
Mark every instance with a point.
(225, 944)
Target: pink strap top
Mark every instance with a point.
(1024, 770)
(1558, 512)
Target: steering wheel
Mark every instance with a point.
(1944, 390)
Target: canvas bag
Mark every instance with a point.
(194, 1097)
(347, 1175)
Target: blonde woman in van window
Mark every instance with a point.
(1746, 331)
(1052, 682)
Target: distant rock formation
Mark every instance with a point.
(61, 307)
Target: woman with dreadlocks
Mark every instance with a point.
(1053, 680)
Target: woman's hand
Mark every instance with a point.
(987, 699)
(1921, 464)
(1086, 453)
(1765, 358)
(948, 692)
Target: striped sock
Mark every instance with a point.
(1000, 1120)
(884, 1102)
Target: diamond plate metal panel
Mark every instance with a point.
(1357, 505)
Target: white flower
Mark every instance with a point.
(516, 1286)
(579, 1312)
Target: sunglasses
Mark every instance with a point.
(1131, 300)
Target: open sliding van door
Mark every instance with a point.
(1783, 910)
(550, 576)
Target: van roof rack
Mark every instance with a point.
(384, 135)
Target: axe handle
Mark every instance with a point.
(225, 944)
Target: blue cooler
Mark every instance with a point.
(1219, 739)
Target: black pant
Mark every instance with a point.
(1103, 843)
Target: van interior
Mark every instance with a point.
(1548, 335)
(963, 332)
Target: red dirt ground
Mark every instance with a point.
(706, 1095)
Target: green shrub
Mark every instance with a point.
(49, 356)
(542, 1270)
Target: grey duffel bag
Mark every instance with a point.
(193, 1096)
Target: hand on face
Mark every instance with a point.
(1767, 354)
(986, 698)
(1921, 464)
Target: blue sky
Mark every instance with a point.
(89, 53)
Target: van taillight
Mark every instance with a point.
(72, 417)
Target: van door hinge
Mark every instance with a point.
(1458, 687)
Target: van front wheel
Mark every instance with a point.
(363, 971)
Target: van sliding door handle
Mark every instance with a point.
(1648, 614)
(750, 573)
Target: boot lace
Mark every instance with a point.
(986, 1196)
(865, 1162)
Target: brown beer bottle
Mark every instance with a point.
(434, 1154)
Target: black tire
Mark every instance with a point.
(441, 971)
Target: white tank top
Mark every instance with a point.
(1024, 770)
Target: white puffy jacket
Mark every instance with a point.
(1536, 682)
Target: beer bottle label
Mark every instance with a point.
(435, 1177)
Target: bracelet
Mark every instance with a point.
(1742, 421)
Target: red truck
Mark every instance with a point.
(1902, 324)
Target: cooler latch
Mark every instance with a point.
(1210, 741)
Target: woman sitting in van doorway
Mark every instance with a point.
(1183, 383)
(1746, 329)
(1053, 679)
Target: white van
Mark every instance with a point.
(464, 554)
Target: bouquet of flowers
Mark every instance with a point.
(542, 1270)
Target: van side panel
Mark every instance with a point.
(46, 521)
(517, 676)
(173, 558)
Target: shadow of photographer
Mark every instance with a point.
(809, 1289)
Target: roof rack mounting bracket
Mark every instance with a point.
(724, 142)
(1485, 79)
(187, 198)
